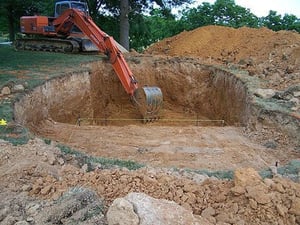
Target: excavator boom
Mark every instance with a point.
(148, 99)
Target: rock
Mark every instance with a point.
(282, 210)
(26, 187)
(22, 223)
(208, 212)
(32, 209)
(238, 190)
(278, 187)
(264, 93)
(295, 101)
(246, 177)
(84, 168)
(268, 182)
(61, 161)
(259, 193)
(252, 203)
(121, 212)
(18, 88)
(297, 93)
(199, 178)
(295, 207)
(157, 211)
(46, 190)
(5, 91)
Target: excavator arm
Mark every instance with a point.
(148, 99)
(104, 42)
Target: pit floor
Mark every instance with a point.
(195, 147)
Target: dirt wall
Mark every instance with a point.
(61, 99)
(190, 90)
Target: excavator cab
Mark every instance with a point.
(63, 5)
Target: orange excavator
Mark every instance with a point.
(59, 33)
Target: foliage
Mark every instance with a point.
(276, 22)
(223, 12)
(149, 24)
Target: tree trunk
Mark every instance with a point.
(124, 24)
(11, 27)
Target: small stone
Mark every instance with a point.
(46, 190)
(238, 190)
(264, 93)
(5, 91)
(18, 88)
(61, 161)
(282, 210)
(259, 193)
(246, 176)
(29, 219)
(32, 209)
(268, 182)
(84, 168)
(278, 187)
(26, 187)
(208, 212)
(252, 203)
(297, 93)
(235, 208)
(23, 222)
(295, 207)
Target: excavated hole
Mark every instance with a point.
(191, 92)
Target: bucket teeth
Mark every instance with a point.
(149, 101)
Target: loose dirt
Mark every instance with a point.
(272, 56)
(206, 123)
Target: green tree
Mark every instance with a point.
(272, 21)
(126, 11)
(12, 10)
(197, 17)
(290, 22)
(276, 22)
(223, 12)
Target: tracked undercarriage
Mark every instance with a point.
(55, 45)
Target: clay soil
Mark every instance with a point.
(198, 129)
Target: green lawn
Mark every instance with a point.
(36, 67)
(32, 68)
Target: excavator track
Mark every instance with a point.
(48, 44)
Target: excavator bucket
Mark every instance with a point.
(149, 100)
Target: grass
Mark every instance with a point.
(106, 163)
(36, 67)
(31, 69)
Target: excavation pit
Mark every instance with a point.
(213, 99)
(194, 94)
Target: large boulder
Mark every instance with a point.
(121, 212)
(150, 211)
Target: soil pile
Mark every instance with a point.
(40, 170)
(270, 55)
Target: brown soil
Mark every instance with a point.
(272, 56)
(210, 120)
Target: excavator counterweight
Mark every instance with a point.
(147, 99)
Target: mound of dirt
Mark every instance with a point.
(270, 55)
(38, 170)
